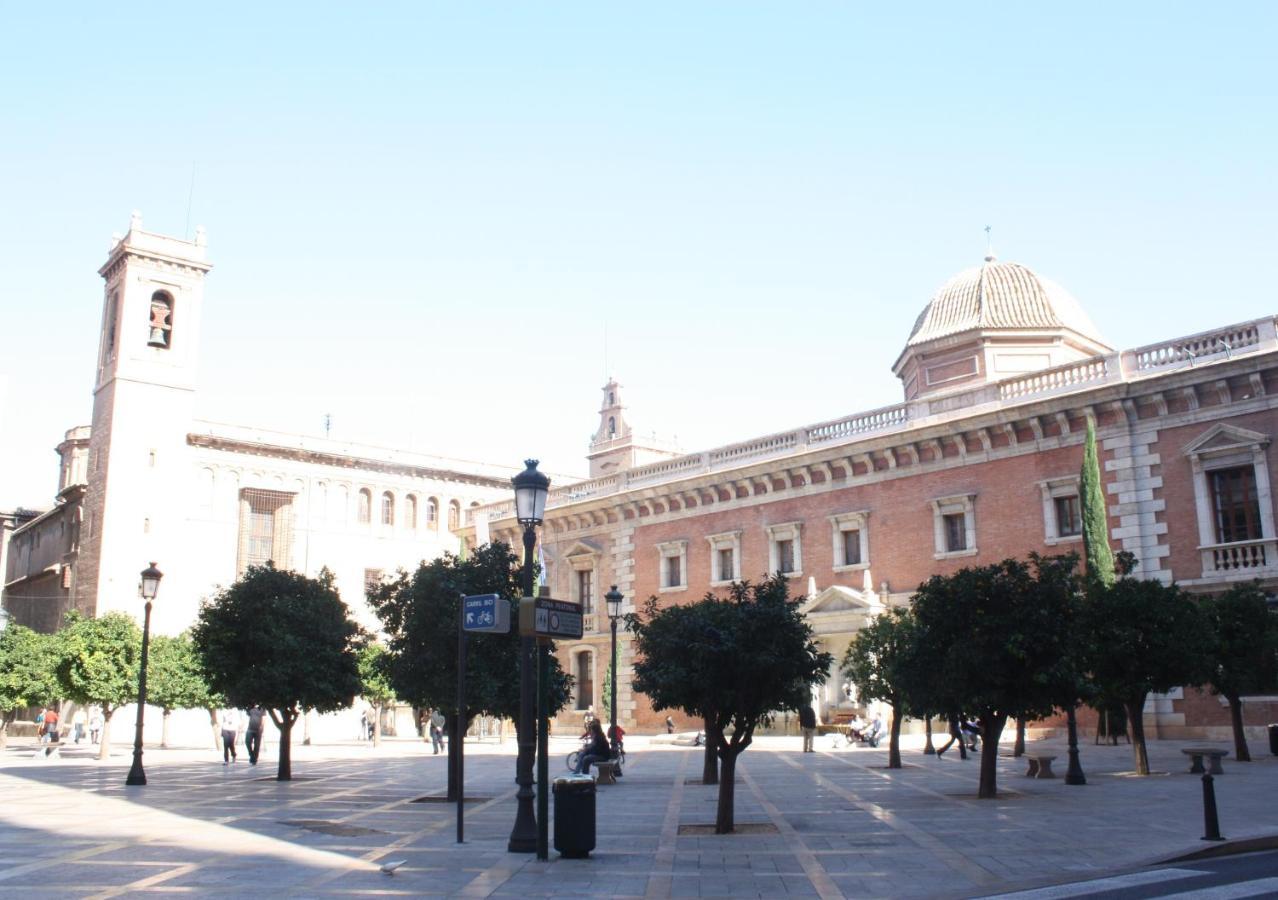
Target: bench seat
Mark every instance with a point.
(606, 771)
(1040, 765)
(1196, 754)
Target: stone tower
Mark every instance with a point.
(142, 410)
(614, 446)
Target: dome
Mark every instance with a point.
(1000, 295)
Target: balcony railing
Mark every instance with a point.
(1239, 556)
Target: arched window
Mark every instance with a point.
(161, 327)
(612, 426)
(454, 514)
(364, 514)
(585, 680)
(410, 510)
(388, 508)
(432, 512)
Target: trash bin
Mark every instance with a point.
(575, 815)
(1273, 739)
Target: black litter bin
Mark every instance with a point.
(1273, 739)
(575, 815)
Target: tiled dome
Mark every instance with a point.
(1000, 295)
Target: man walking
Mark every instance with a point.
(807, 721)
(437, 722)
(253, 733)
(230, 720)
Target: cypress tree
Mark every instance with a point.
(1091, 494)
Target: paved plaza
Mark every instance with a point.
(835, 823)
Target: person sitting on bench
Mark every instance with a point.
(597, 751)
(871, 734)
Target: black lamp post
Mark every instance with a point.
(531, 488)
(614, 599)
(150, 586)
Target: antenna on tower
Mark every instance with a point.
(190, 195)
(989, 244)
(328, 423)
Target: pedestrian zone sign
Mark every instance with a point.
(557, 618)
(485, 613)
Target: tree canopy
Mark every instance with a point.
(280, 640)
(27, 673)
(98, 664)
(1244, 651)
(375, 686)
(176, 679)
(732, 660)
(994, 639)
(884, 663)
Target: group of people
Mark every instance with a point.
(49, 725)
(252, 723)
(859, 730)
(599, 747)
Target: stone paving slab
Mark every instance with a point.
(843, 825)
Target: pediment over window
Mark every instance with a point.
(583, 548)
(839, 599)
(1225, 437)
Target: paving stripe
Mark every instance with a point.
(150, 881)
(53, 862)
(821, 881)
(935, 846)
(1097, 885)
(661, 878)
(1261, 887)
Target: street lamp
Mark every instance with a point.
(150, 586)
(531, 488)
(614, 599)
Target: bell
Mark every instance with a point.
(159, 337)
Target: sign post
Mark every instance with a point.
(486, 614)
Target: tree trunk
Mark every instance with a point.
(451, 732)
(1241, 753)
(991, 732)
(1018, 749)
(217, 733)
(285, 771)
(710, 758)
(4, 727)
(929, 749)
(377, 725)
(1136, 722)
(894, 743)
(164, 728)
(724, 821)
(104, 748)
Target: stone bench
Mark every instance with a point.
(1040, 765)
(1196, 755)
(606, 772)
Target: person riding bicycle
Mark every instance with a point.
(597, 751)
(617, 736)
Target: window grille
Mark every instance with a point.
(266, 528)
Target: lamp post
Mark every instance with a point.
(531, 488)
(614, 599)
(150, 586)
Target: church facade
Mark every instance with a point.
(980, 462)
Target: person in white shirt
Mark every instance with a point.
(230, 720)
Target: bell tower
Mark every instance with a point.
(144, 385)
(614, 446)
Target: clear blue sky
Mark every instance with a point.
(423, 218)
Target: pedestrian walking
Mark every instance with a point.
(95, 727)
(230, 721)
(49, 726)
(669, 724)
(437, 723)
(808, 722)
(253, 733)
(956, 734)
(78, 722)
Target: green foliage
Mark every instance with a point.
(884, 663)
(375, 686)
(419, 614)
(1245, 641)
(175, 678)
(607, 691)
(27, 670)
(996, 643)
(280, 640)
(732, 661)
(98, 660)
(1091, 496)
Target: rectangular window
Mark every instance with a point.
(785, 555)
(852, 547)
(955, 532)
(727, 565)
(372, 580)
(1235, 505)
(586, 590)
(1069, 516)
(266, 528)
(674, 575)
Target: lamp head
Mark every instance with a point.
(531, 488)
(614, 598)
(150, 582)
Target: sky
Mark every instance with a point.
(444, 224)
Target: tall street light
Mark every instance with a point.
(614, 599)
(531, 488)
(150, 586)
